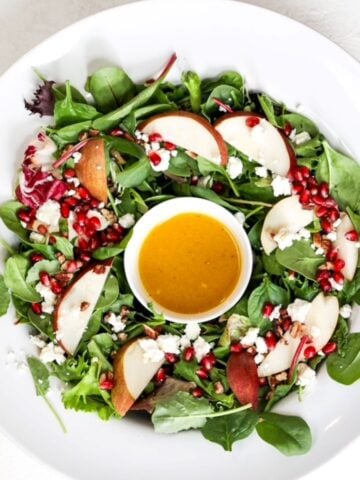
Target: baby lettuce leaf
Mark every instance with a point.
(290, 435)
(342, 174)
(110, 87)
(192, 82)
(16, 268)
(230, 428)
(4, 297)
(300, 258)
(344, 367)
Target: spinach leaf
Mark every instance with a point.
(43, 323)
(271, 265)
(355, 219)
(345, 367)
(300, 258)
(70, 133)
(269, 107)
(227, 94)
(64, 246)
(351, 291)
(135, 174)
(341, 336)
(14, 277)
(266, 292)
(290, 435)
(343, 176)
(8, 214)
(231, 78)
(4, 297)
(103, 253)
(49, 266)
(230, 428)
(110, 87)
(99, 347)
(109, 294)
(281, 391)
(301, 123)
(302, 288)
(192, 82)
(60, 93)
(208, 194)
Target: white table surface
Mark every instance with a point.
(25, 23)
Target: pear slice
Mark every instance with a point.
(91, 169)
(348, 250)
(263, 143)
(73, 312)
(320, 324)
(131, 375)
(189, 131)
(288, 214)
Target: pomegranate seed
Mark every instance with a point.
(24, 216)
(107, 384)
(69, 173)
(286, 324)
(42, 229)
(85, 257)
(352, 236)
(83, 244)
(94, 243)
(311, 182)
(160, 376)
(297, 175)
(268, 309)
(208, 362)
(332, 255)
(288, 129)
(252, 121)
(309, 352)
(94, 203)
(339, 264)
(321, 212)
(89, 231)
(83, 193)
(297, 188)
(81, 218)
(55, 287)
(95, 222)
(329, 348)
(79, 229)
(52, 239)
(326, 226)
(37, 257)
(171, 357)
(117, 132)
(305, 171)
(270, 340)
(118, 228)
(155, 137)
(314, 190)
(36, 308)
(45, 278)
(338, 277)
(197, 392)
(112, 236)
(218, 188)
(189, 354)
(262, 381)
(201, 373)
(194, 180)
(305, 197)
(65, 210)
(322, 275)
(169, 146)
(325, 285)
(330, 202)
(155, 158)
(324, 190)
(236, 348)
(71, 201)
(72, 266)
(333, 215)
(318, 200)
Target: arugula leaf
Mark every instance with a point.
(344, 367)
(4, 297)
(192, 82)
(230, 428)
(49, 266)
(110, 87)
(16, 268)
(300, 258)
(290, 435)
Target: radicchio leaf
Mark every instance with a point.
(43, 101)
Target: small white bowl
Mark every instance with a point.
(169, 209)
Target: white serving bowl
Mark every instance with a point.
(165, 211)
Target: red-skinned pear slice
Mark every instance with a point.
(320, 324)
(243, 378)
(91, 169)
(263, 143)
(189, 131)
(131, 375)
(288, 214)
(348, 250)
(73, 311)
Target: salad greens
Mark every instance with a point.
(65, 230)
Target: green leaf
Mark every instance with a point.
(290, 435)
(100, 347)
(43, 323)
(351, 291)
(269, 107)
(300, 258)
(110, 87)
(271, 265)
(344, 367)
(109, 293)
(341, 336)
(301, 123)
(64, 246)
(192, 82)
(4, 297)
(343, 176)
(135, 174)
(281, 391)
(180, 412)
(40, 375)
(230, 428)
(355, 219)
(208, 194)
(72, 370)
(227, 94)
(60, 93)
(266, 292)
(49, 266)
(16, 268)
(70, 133)
(8, 214)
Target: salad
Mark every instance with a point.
(107, 155)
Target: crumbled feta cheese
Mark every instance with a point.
(281, 185)
(234, 167)
(164, 164)
(346, 310)
(76, 157)
(192, 330)
(36, 237)
(103, 222)
(117, 325)
(222, 109)
(261, 172)
(285, 237)
(306, 375)
(155, 146)
(260, 345)
(335, 285)
(174, 153)
(250, 338)
(202, 348)
(70, 224)
(240, 217)
(75, 181)
(49, 297)
(275, 314)
(138, 134)
(127, 220)
(298, 310)
(184, 342)
(52, 353)
(38, 341)
(205, 182)
(319, 251)
(331, 236)
(152, 351)
(259, 357)
(302, 138)
(17, 360)
(169, 343)
(49, 214)
(292, 134)
(303, 233)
